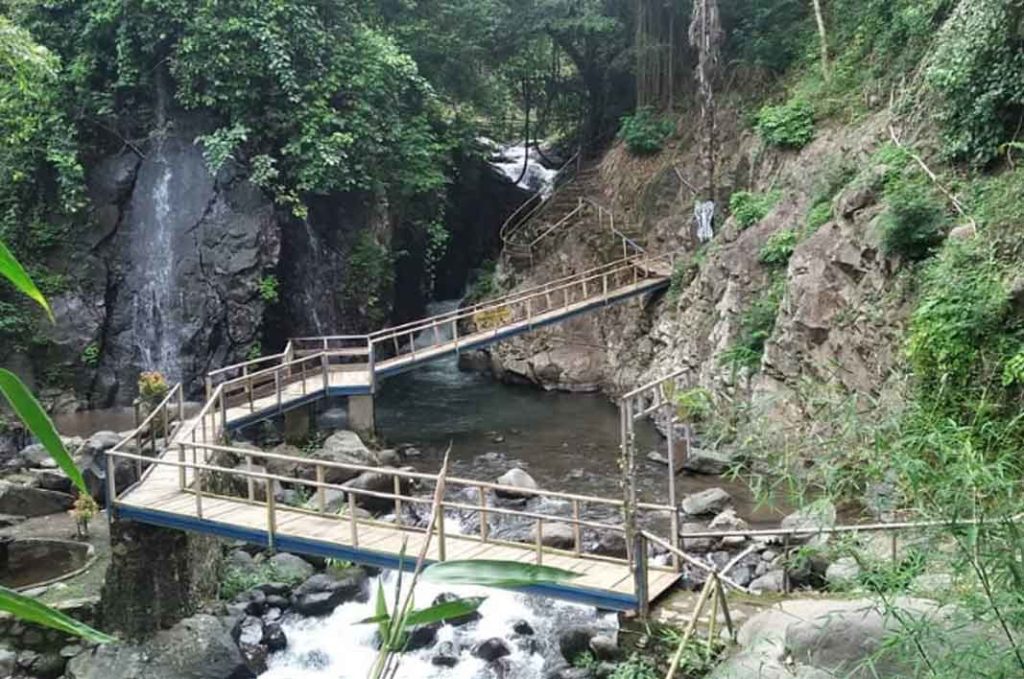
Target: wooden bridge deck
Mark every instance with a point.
(174, 490)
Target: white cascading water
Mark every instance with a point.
(537, 178)
(310, 291)
(336, 647)
(156, 342)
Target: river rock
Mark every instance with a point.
(523, 628)
(706, 502)
(611, 543)
(323, 592)
(21, 500)
(422, 636)
(51, 479)
(843, 573)
(728, 520)
(710, 462)
(772, 581)
(812, 519)
(93, 464)
(558, 535)
(694, 544)
(101, 442)
(516, 478)
(605, 648)
(199, 647)
(345, 447)
(290, 567)
(248, 634)
(36, 454)
(274, 637)
(575, 641)
(8, 662)
(377, 482)
(491, 649)
(446, 655)
(288, 467)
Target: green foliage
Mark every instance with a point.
(645, 132)
(976, 71)
(585, 660)
(915, 221)
(91, 354)
(750, 208)
(769, 34)
(269, 287)
(254, 352)
(818, 216)
(12, 270)
(485, 284)
(957, 338)
(694, 405)
(756, 326)
(779, 248)
(221, 145)
(28, 609)
(636, 667)
(237, 579)
(683, 273)
(369, 281)
(788, 126)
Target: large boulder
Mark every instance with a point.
(706, 502)
(516, 478)
(857, 639)
(322, 593)
(712, 462)
(36, 455)
(93, 464)
(377, 482)
(557, 535)
(345, 447)
(199, 647)
(291, 568)
(810, 521)
(21, 500)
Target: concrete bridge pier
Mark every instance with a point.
(361, 415)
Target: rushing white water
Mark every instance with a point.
(537, 178)
(155, 338)
(336, 647)
(310, 291)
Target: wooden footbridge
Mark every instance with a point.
(191, 481)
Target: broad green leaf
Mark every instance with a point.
(448, 610)
(35, 418)
(382, 618)
(30, 610)
(16, 274)
(495, 573)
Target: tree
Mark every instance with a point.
(706, 38)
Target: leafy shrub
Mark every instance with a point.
(644, 132)
(682, 274)
(915, 221)
(750, 208)
(779, 248)
(790, 125)
(756, 326)
(635, 667)
(268, 287)
(369, 280)
(152, 386)
(818, 216)
(237, 580)
(694, 405)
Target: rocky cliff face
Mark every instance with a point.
(842, 304)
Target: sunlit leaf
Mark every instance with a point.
(35, 418)
(28, 609)
(495, 573)
(448, 610)
(12, 270)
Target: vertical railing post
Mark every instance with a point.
(181, 470)
(785, 563)
(321, 496)
(138, 451)
(674, 516)
(352, 522)
(539, 530)
(576, 541)
(277, 387)
(640, 576)
(271, 517)
(111, 483)
(324, 366)
(484, 525)
(249, 482)
(209, 387)
(223, 412)
(197, 477)
(398, 500)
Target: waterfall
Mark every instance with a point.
(155, 334)
(310, 287)
(509, 160)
